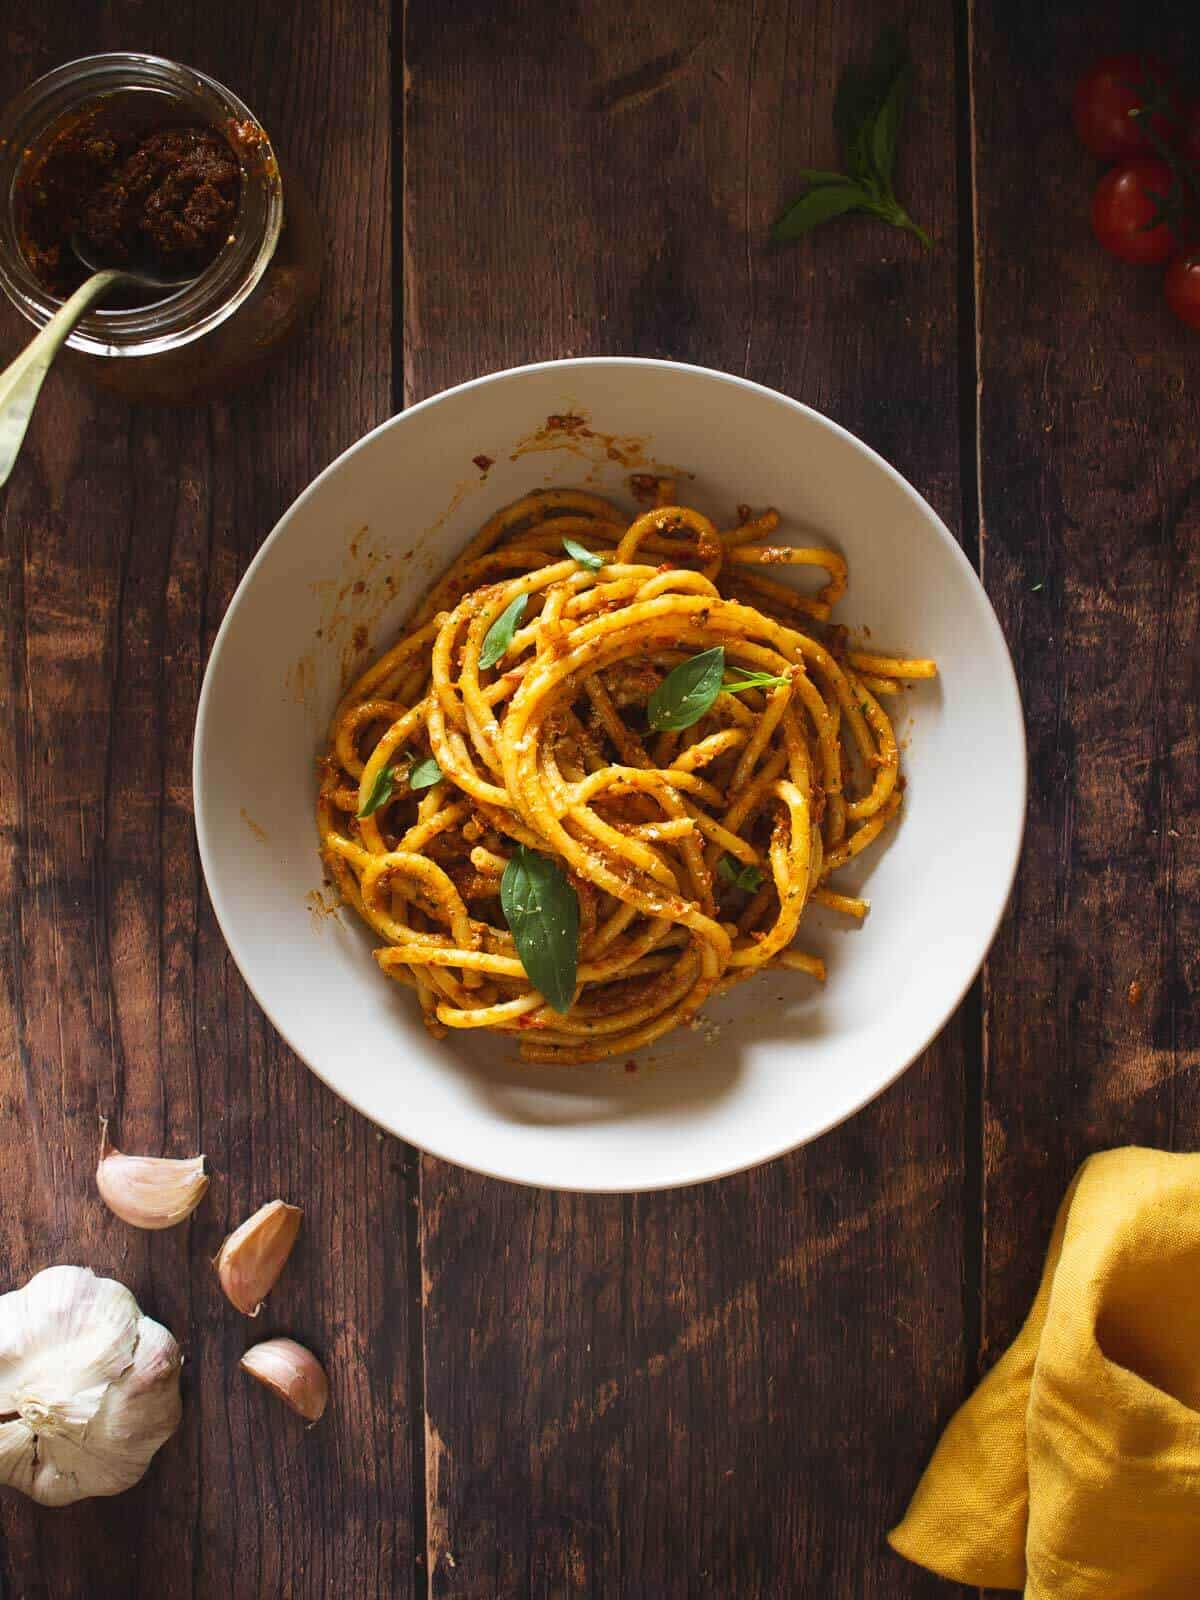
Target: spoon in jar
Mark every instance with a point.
(21, 380)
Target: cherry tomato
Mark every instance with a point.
(1106, 95)
(1124, 207)
(1181, 285)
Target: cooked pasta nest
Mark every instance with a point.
(691, 852)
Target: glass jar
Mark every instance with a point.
(256, 291)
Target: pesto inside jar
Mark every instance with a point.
(136, 191)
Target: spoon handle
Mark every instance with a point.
(21, 380)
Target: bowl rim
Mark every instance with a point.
(1009, 685)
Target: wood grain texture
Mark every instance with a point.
(1090, 464)
(720, 1390)
(729, 1389)
(125, 530)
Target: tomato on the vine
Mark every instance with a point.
(1124, 207)
(1105, 96)
(1181, 285)
(1187, 141)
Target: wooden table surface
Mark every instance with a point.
(716, 1391)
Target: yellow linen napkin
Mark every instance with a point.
(1073, 1471)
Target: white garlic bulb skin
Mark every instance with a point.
(90, 1387)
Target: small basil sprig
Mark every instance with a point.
(866, 117)
(689, 690)
(585, 558)
(743, 876)
(381, 792)
(499, 636)
(423, 776)
(542, 911)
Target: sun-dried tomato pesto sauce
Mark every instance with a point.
(136, 192)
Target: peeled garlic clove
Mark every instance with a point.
(291, 1372)
(252, 1257)
(89, 1385)
(148, 1191)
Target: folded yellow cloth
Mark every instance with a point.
(1074, 1470)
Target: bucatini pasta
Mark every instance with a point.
(617, 756)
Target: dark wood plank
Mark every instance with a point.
(1090, 462)
(729, 1389)
(125, 531)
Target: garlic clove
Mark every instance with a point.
(252, 1257)
(148, 1191)
(291, 1372)
(90, 1387)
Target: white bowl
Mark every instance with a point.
(780, 1059)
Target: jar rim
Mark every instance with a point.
(234, 272)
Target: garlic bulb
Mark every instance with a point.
(89, 1387)
(252, 1257)
(291, 1372)
(148, 1191)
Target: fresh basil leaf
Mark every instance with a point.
(818, 206)
(888, 60)
(888, 64)
(381, 792)
(585, 558)
(542, 912)
(425, 774)
(861, 164)
(687, 691)
(886, 126)
(742, 875)
(499, 636)
(861, 92)
(852, 109)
